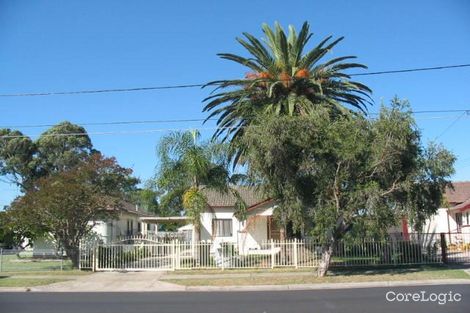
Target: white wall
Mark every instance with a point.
(111, 230)
(219, 213)
(247, 234)
(438, 223)
(253, 233)
(442, 222)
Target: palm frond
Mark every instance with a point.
(287, 80)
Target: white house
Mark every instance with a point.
(454, 220)
(128, 223)
(219, 223)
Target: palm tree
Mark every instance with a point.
(283, 80)
(188, 168)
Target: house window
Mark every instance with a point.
(130, 227)
(222, 227)
(139, 227)
(458, 221)
(468, 218)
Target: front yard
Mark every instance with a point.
(24, 262)
(244, 278)
(18, 281)
(23, 270)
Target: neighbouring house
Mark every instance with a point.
(128, 222)
(453, 220)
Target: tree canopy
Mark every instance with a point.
(61, 147)
(67, 204)
(331, 176)
(186, 168)
(284, 79)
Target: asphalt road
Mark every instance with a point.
(344, 300)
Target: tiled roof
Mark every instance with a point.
(462, 206)
(250, 195)
(133, 209)
(459, 193)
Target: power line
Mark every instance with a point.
(138, 89)
(57, 93)
(158, 130)
(413, 70)
(136, 122)
(451, 125)
(131, 132)
(115, 123)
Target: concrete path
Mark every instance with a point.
(170, 275)
(333, 286)
(150, 282)
(113, 281)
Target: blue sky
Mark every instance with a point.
(74, 45)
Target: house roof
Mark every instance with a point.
(462, 206)
(459, 193)
(252, 196)
(134, 209)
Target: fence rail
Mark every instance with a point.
(294, 253)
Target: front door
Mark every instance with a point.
(273, 229)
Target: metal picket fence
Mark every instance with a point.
(175, 255)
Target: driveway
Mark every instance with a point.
(113, 281)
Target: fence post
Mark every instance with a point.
(177, 256)
(1, 259)
(295, 253)
(173, 261)
(222, 256)
(62, 259)
(444, 248)
(95, 258)
(273, 254)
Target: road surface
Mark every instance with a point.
(343, 300)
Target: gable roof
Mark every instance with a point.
(135, 209)
(460, 193)
(251, 195)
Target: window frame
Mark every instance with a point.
(222, 233)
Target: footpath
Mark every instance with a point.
(154, 282)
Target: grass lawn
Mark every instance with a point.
(337, 276)
(48, 273)
(9, 281)
(241, 271)
(25, 263)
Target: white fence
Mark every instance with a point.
(176, 255)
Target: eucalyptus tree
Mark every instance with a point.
(333, 176)
(187, 168)
(284, 79)
(23, 160)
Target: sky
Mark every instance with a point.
(81, 45)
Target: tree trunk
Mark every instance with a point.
(73, 254)
(327, 253)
